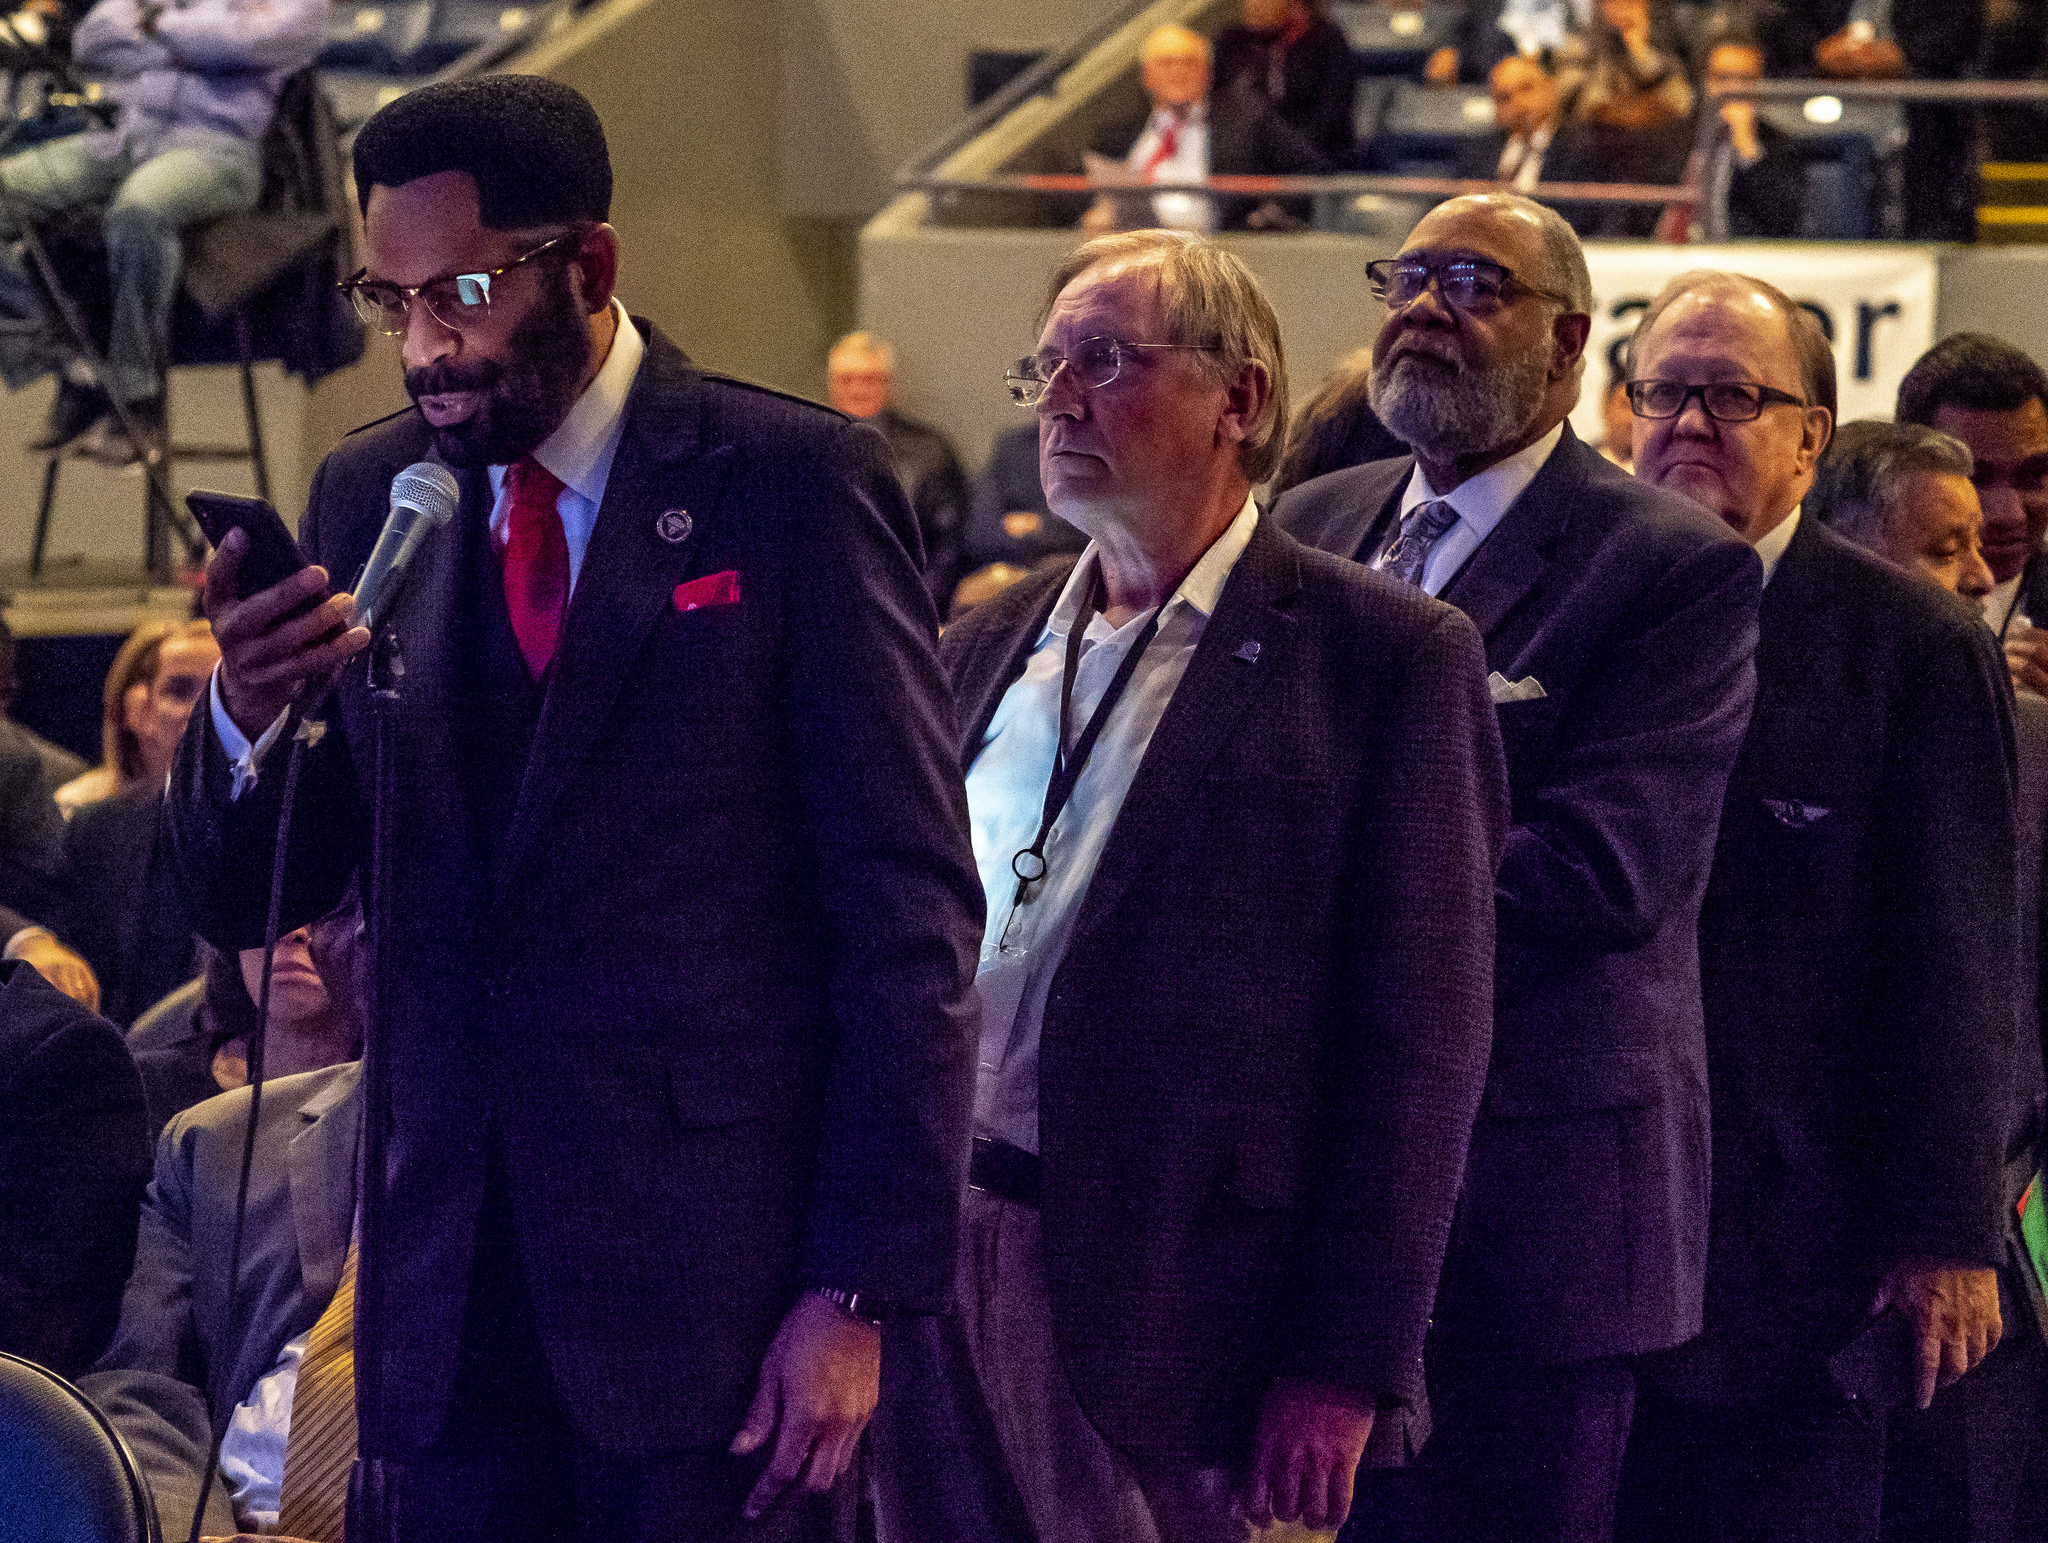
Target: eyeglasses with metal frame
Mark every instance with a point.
(1469, 284)
(455, 300)
(1093, 364)
(1725, 401)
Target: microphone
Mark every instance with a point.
(423, 499)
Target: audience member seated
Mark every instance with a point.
(1290, 53)
(174, 1370)
(1008, 519)
(74, 1156)
(1336, 427)
(59, 765)
(124, 702)
(120, 905)
(1493, 30)
(860, 378)
(1633, 103)
(1903, 492)
(193, 86)
(1532, 142)
(1864, 40)
(1191, 133)
(1752, 178)
(1994, 398)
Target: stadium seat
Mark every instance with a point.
(1396, 42)
(1844, 144)
(1421, 131)
(376, 36)
(70, 1476)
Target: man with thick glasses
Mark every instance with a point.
(1236, 807)
(1619, 623)
(681, 910)
(1857, 958)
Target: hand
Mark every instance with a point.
(1099, 219)
(1741, 120)
(1442, 68)
(819, 1383)
(1954, 1312)
(1305, 1456)
(275, 643)
(62, 968)
(2026, 655)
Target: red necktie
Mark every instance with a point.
(536, 562)
(1164, 151)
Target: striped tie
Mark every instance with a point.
(320, 1447)
(1420, 528)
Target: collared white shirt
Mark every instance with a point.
(1023, 945)
(579, 452)
(1521, 159)
(1479, 501)
(1188, 163)
(252, 1447)
(2004, 606)
(1771, 546)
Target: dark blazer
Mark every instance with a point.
(2028, 1124)
(1009, 484)
(120, 904)
(1583, 1227)
(703, 953)
(74, 1155)
(1261, 1053)
(31, 829)
(1318, 81)
(937, 490)
(1768, 198)
(1246, 139)
(1857, 956)
(181, 1360)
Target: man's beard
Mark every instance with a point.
(525, 400)
(1442, 410)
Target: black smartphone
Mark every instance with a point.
(273, 555)
(1878, 1370)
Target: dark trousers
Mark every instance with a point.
(1967, 1470)
(1523, 1452)
(1798, 1472)
(509, 1467)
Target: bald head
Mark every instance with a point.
(1176, 66)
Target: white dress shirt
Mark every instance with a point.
(252, 1447)
(1772, 545)
(1188, 163)
(1521, 159)
(579, 452)
(1023, 945)
(1479, 501)
(2005, 608)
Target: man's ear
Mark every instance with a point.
(1817, 430)
(597, 267)
(1244, 399)
(1568, 333)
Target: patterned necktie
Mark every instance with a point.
(536, 562)
(1420, 529)
(1167, 148)
(320, 1446)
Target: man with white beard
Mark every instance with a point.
(1620, 626)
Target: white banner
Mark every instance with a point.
(1876, 304)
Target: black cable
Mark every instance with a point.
(300, 736)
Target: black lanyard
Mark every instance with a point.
(1029, 865)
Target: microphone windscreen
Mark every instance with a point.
(428, 487)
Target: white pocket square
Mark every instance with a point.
(1527, 689)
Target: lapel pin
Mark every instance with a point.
(673, 525)
(1248, 652)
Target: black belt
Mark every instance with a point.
(1007, 1172)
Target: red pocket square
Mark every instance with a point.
(712, 589)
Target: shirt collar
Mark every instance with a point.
(2002, 599)
(1481, 501)
(580, 450)
(1771, 545)
(1196, 113)
(1200, 589)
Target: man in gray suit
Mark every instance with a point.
(182, 1365)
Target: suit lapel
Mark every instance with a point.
(1510, 562)
(628, 580)
(320, 1167)
(997, 661)
(1212, 696)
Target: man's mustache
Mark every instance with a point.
(440, 379)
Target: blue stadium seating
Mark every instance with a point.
(1421, 131)
(1391, 42)
(1844, 143)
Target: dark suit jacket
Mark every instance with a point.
(31, 829)
(1857, 954)
(1009, 484)
(1318, 81)
(1262, 1050)
(74, 1155)
(1584, 152)
(2028, 1123)
(1583, 1227)
(937, 490)
(120, 904)
(703, 956)
(1768, 198)
(1246, 139)
(181, 1360)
